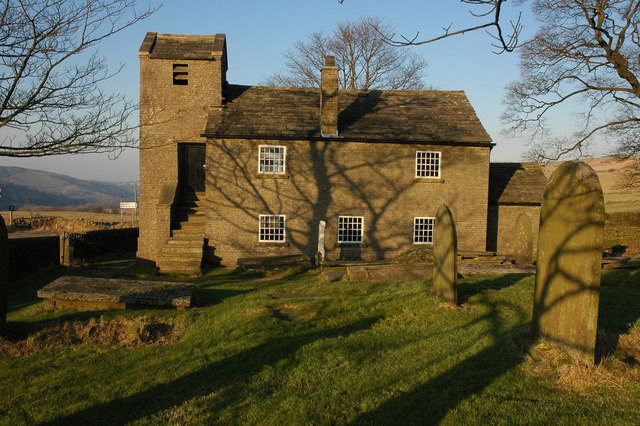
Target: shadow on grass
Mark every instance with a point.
(430, 402)
(22, 292)
(467, 289)
(234, 371)
(619, 305)
(220, 284)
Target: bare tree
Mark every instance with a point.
(584, 55)
(51, 101)
(365, 60)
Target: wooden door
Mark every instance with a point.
(191, 158)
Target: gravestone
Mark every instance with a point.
(445, 251)
(4, 273)
(523, 240)
(569, 260)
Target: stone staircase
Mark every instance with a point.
(182, 253)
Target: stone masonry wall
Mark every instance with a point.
(169, 114)
(327, 179)
(507, 217)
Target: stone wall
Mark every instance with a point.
(327, 179)
(502, 225)
(27, 255)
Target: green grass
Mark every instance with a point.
(354, 352)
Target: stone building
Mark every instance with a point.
(230, 171)
(515, 197)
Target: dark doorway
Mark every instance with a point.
(191, 157)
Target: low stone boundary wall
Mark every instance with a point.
(111, 241)
(31, 253)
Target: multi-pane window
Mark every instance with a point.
(423, 230)
(272, 228)
(350, 229)
(427, 164)
(272, 159)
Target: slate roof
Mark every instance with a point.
(177, 46)
(291, 113)
(516, 184)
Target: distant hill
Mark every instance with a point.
(617, 199)
(28, 188)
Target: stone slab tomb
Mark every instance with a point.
(445, 254)
(569, 260)
(84, 293)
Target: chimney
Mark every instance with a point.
(329, 99)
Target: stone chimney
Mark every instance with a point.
(329, 99)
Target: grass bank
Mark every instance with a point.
(297, 350)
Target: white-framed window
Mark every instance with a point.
(350, 229)
(423, 230)
(271, 228)
(271, 159)
(427, 164)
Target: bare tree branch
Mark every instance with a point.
(584, 56)
(504, 41)
(50, 97)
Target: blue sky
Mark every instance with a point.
(259, 32)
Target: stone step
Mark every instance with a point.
(180, 257)
(179, 268)
(193, 223)
(176, 262)
(188, 231)
(173, 249)
(188, 211)
(185, 242)
(186, 201)
(196, 207)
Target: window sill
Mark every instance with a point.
(272, 176)
(348, 245)
(272, 244)
(428, 180)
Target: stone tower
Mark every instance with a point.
(182, 78)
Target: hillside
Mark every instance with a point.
(28, 188)
(608, 169)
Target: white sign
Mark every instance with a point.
(128, 205)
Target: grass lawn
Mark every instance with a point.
(297, 350)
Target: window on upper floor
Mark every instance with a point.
(427, 164)
(271, 228)
(423, 230)
(272, 159)
(350, 229)
(180, 74)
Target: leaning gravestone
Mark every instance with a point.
(4, 273)
(568, 271)
(445, 251)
